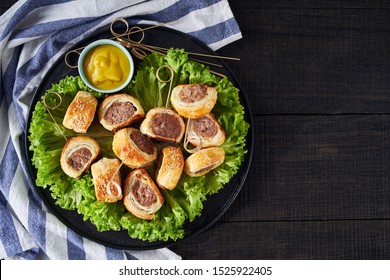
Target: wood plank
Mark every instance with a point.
(286, 240)
(5, 5)
(317, 168)
(313, 4)
(313, 61)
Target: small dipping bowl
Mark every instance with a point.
(107, 66)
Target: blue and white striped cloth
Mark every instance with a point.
(33, 35)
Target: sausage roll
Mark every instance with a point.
(80, 112)
(193, 100)
(141, 195)
(119, 110)
(170, 167)
(107, 179)
(163, 124)
(78, 154)
(134, 148)
(204, 161)
(206, 129)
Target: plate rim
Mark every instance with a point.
(245, 165)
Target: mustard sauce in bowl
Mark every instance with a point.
(106, 66)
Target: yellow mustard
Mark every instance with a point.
(106, 67)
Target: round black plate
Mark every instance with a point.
(214, 206)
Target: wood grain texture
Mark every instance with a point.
(317, 77)
(5, 5)
(317, 168)
(312, 4)
(313, 61)
(291, 240)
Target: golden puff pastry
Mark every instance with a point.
(80, 112)
(78, 154)
(170, 167)
(193, 100)
(207, 130)
(142, 197)
(203, 161)
(119, 110)
(134, 148)
(107, 179)
(163, 124)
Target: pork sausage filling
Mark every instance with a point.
(193, 93)
(119, 112)
(166, 125)
(142, 142)
(206, 168)
(144, 194)
(205, 127)
(79, 158)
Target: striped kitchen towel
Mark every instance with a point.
(33, 35)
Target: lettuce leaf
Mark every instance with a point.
(183, 203)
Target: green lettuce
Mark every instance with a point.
(185, 202)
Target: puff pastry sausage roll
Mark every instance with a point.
(193, 100)
(170, 167)
(163, 124)
(134, 148)
(142, 197)
(119, 110)
(204, 161)
(78, 154)
(107, 179)
(80, 112)
(206, 129)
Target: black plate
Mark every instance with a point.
(214, 206)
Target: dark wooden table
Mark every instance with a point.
(317, 75)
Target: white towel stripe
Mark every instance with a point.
(18, 206)
(94, 251)
(56, 241)
(30, 49)
(15, 129)
(18, 197)
(6, 55)
(26, 242)
(208, 16)
(224, 42)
